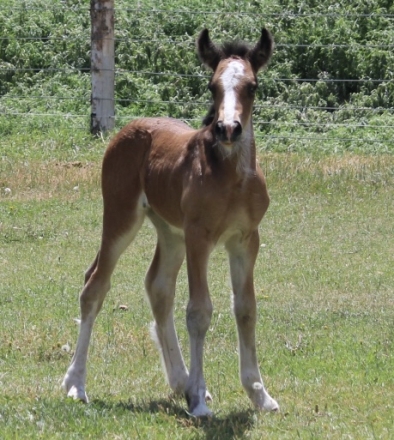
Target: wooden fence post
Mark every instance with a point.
(102, 66)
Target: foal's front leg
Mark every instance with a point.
(198, 318)
(242, 254)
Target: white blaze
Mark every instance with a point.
(230, 79)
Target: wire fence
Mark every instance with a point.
(40, 105)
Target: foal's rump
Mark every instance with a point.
(146, 161)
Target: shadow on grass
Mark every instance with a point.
(231, 426)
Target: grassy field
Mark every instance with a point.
(324, 277)
(324, 282)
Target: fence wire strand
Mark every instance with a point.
(155, 11)
(187, 40)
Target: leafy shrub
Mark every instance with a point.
(44, 59)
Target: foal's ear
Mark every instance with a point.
(260, 54)
(209, 54)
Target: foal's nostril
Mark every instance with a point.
(220, 130)
(237, 130)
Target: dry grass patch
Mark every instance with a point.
(373, 169)
(36, 180)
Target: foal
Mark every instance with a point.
(198, 188)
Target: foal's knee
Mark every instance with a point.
(245, 313)
(198, 317)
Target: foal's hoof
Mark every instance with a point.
(197, 404)
(270, 405)
(262, 400)
(201, 410)
(75, 392)
(78, 394)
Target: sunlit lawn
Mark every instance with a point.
(324, 282)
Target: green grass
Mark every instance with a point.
(324, 278)
(324, 285)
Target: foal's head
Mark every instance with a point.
(233, 83)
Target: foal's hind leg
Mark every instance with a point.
(160, 285)
(115, 240)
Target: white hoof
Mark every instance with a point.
(74, 387)
(77, 393)
(208, 397)
(270, 405)
(261, 399)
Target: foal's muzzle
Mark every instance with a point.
(228, 133)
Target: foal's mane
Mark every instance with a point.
(235, 48)
(209, 117)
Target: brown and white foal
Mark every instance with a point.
(199, 188)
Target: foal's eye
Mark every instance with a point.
(252, 89)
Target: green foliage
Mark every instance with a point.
(44, 65)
